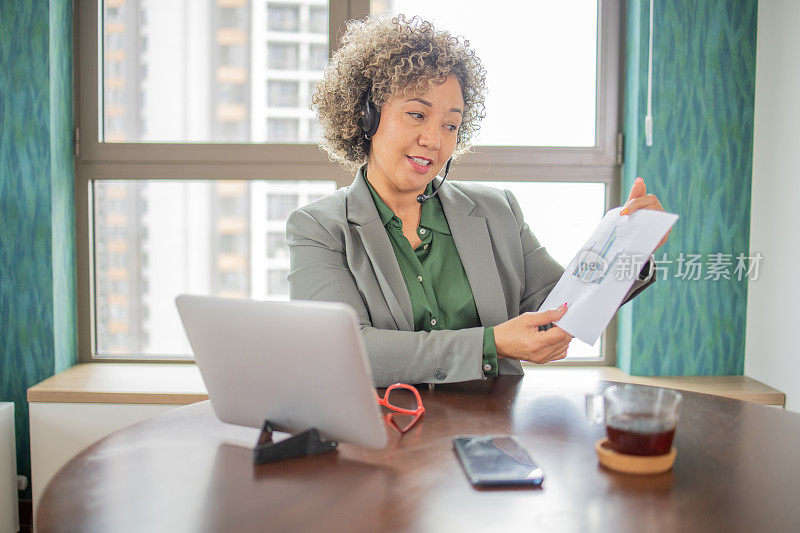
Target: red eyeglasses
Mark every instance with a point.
(389, 417)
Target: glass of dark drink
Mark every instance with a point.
(641, 420)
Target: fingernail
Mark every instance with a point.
(639, 178)
(624, 211)
(563, 306)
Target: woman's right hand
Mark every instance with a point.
(520, 338)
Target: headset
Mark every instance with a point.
(368, 122)
(370, 116)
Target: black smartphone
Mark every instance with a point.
(497, 460)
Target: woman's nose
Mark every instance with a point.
(429, 138)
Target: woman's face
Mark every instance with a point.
(416, 136)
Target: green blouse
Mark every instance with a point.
(441, 297)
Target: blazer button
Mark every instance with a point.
(439, 374)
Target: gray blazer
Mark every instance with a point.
(339, 251)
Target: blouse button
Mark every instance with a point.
(424, 246)
(487, 367)
(433, 321)
(419, 278)
(422, 231)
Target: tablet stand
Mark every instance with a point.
(306, 443)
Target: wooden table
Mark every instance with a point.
(738, 469)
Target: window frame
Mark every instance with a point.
(258, 161)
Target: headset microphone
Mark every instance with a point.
(422, 197)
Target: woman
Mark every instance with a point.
(446, 285)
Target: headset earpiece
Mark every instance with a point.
(370, 116)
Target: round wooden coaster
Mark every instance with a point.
(633, 464)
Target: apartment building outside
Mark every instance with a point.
(211, 71)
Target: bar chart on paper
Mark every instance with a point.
(602, 254)
(604, 269)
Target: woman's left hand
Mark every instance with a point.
(639, 199)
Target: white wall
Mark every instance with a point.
(772, 351)
(59, 431)
(9, 511)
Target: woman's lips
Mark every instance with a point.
(419, 168)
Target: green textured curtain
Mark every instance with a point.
(37, 228)
(700, 167)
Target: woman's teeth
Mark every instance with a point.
(423, 162)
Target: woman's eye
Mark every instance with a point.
(452, 128)
(416, 115)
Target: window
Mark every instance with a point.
(277, 281)
(283, 18)
(114, 69)
(283, 56)
(311, 88)
(114, 97)
(232, 283)
(115, 41)
(280, 206)
(282, 129)
(283, 93)
(313, 131)
(115, 13)
(231, 93)
(552, 99)
(232, 56)
(191, 73)
(317, 57)
(318, 20)
(231, 205)
(215, 237)
(232, 244)
(559, 42)
(232, 17)
(192, 156)
(276, 245)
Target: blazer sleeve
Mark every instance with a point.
(542, 272)
(319, 271)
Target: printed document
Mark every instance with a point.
(603, 271)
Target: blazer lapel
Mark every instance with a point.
(361, 211)
(471, 236)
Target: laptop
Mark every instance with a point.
(298, 364)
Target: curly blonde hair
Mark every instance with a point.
(391, 56)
